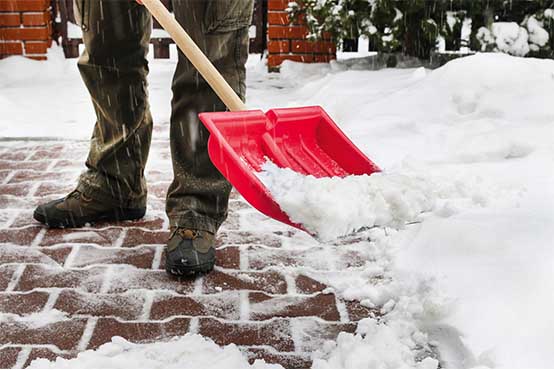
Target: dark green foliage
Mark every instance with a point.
(343, 19)
(412, 27)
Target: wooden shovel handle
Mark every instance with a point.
(195, 55)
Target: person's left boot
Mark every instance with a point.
(77, 210)
(189, 252)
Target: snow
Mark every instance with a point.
(511, 38)
(35, 320)
(334, 207)
(515, 39)
(487, 123)
(375, 346)
(67, 113)
(459, 266)
(74, 31)
(191, 351)
(80, 235)
(537, 34)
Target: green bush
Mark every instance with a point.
(413, 27)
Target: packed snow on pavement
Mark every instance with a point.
(456, 230)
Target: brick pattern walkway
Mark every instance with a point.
(109, 279)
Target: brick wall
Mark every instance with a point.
(287, 41)
(25, 28)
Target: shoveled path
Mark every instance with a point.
(108, 280)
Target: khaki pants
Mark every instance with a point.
(116, 35)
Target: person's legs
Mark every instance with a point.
(198, 197)
(116, 35)
(114, 68)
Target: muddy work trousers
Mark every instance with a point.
(116, 34)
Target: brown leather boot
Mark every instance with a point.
(76, 210)
(190, 252)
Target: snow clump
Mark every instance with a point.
(187, 352)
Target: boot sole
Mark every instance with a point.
(74, 222)
(190, 270)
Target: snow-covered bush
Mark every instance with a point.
(391, 25)
(540, 27)
(533, 37)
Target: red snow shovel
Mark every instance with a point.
(305, 140)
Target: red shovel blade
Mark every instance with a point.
(305, 140)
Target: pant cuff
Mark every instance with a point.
(97, 193)
(194, 221)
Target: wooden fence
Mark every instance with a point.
(63, 11)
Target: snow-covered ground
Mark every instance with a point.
(471, 145)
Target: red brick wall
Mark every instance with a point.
(25, 28)
(287, 42)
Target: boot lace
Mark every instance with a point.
(186, 233)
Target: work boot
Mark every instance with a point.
(77, 209)
(190, 252)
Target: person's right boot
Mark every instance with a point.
(189, 252)
(77, 210)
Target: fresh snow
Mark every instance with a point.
(456, 254)
(333, 207)
(511, 38)
(188, 352)
(35, 320)
(515, 39)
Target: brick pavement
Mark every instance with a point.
(109, 279)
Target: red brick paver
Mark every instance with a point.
(109, 279)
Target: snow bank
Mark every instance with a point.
(486, 107)
(66, 113)
(30, 109)
(493, 86)
(484, 124)
(188, 352)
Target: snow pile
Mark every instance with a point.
(485, 86)
(487, 107)
(483, 124)
(68, 113)
(188, 352)
(331, 207)
(376, 346)
(403, 305)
